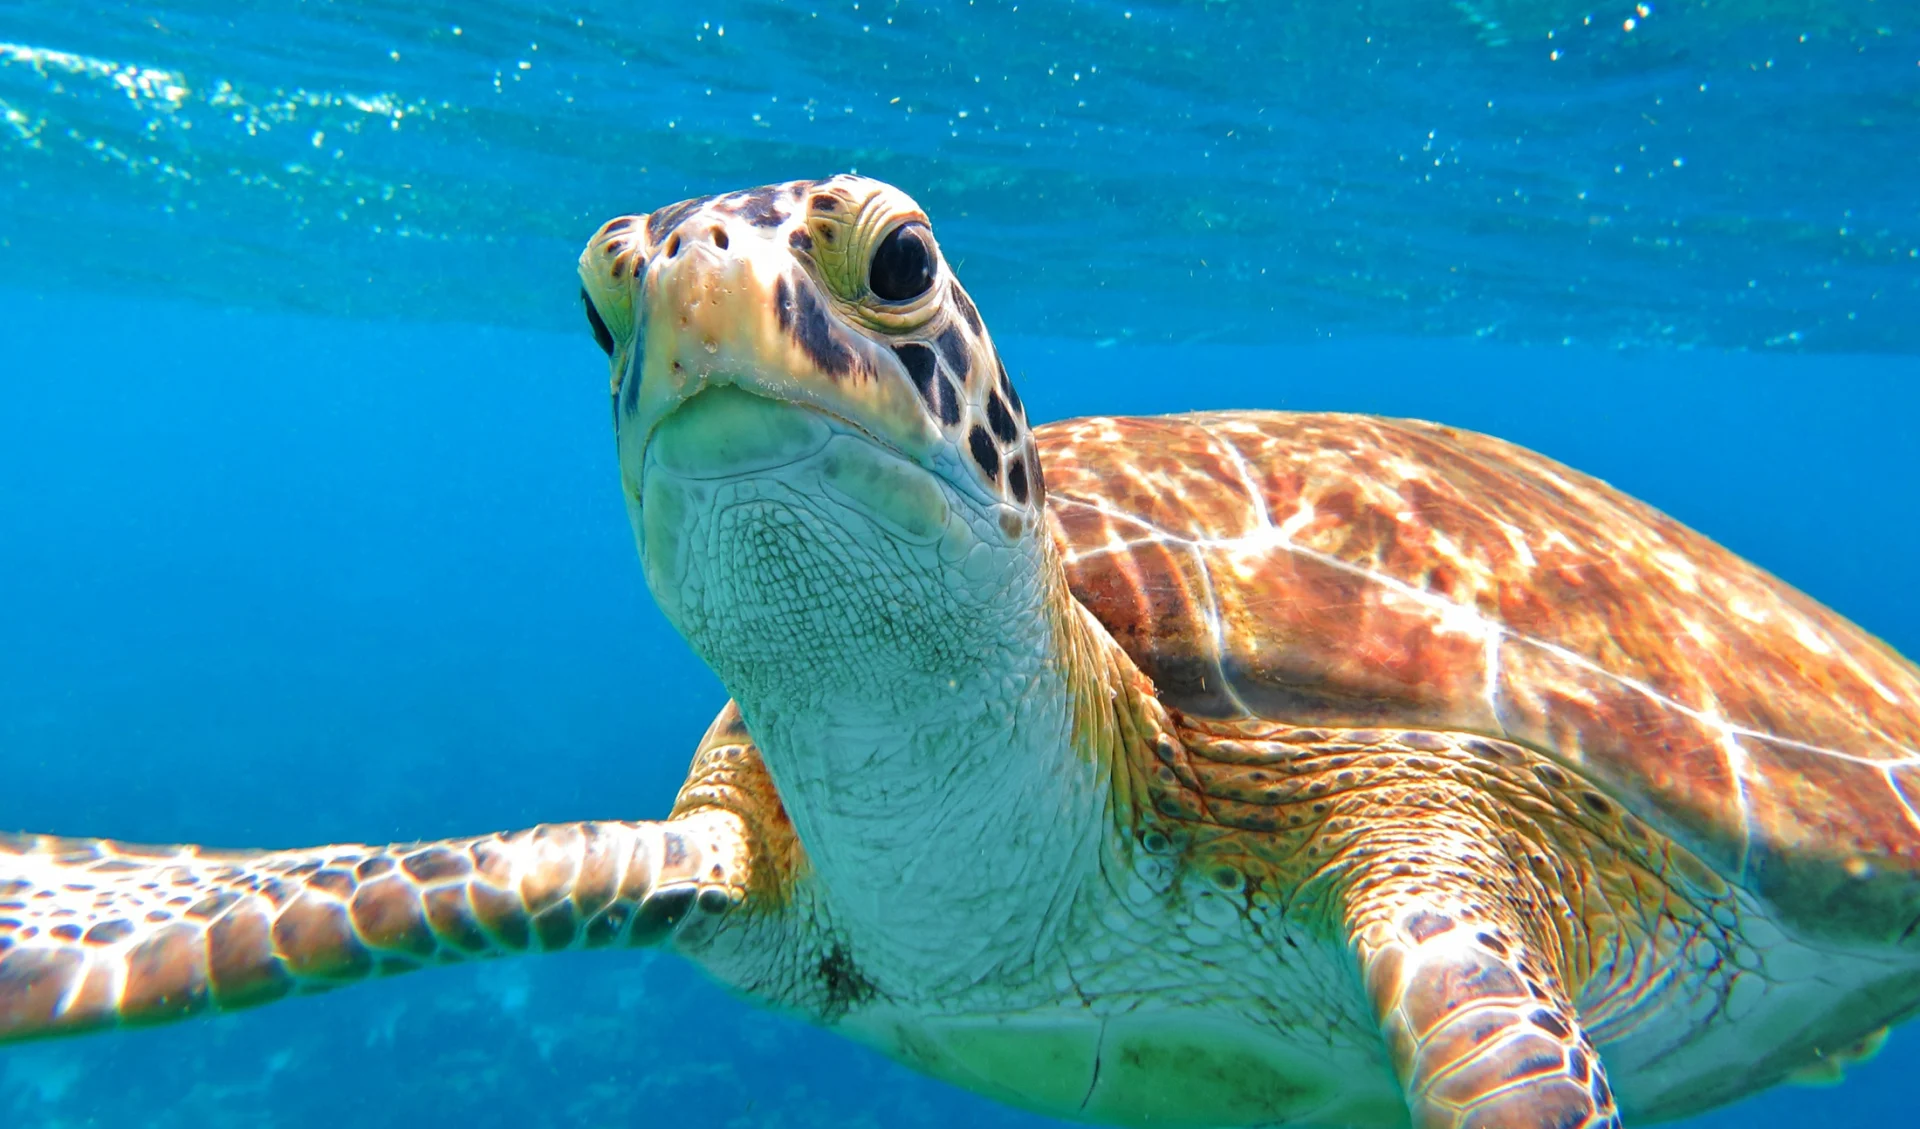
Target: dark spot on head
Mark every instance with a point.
(967, 309)
(800, 240)
(1425, 924)
(824, 203)
(805, 319)
(65, 932)
(1492, 944)
(1017, 480)
(1550, 1023)
(1602, 1094)
(761, 207)
(666, 219)
(1597, 803)
(720, 237)
(630, 390)
(949, 401)
(953, 348)
(984, 452)
(602, 336)
(1577, 1064)
(1006, 387)
(1553, 777)
(998, 419)
(918, 360)
(673, 247)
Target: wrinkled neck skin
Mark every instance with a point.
(937, 713)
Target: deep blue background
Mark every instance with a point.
(275, 581)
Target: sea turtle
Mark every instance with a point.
(1237, 768)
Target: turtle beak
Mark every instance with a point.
(602, 336)
(611, 267)
(723, 304)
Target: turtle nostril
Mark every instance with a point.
(673, 247)
(601, 335)
(720, 238)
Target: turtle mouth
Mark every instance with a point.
(733, 428)
(727, 434)
(724, 431)
(726, 454)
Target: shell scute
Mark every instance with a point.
(1339, 570)
(1654, 755)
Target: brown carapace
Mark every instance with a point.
(1347, 570)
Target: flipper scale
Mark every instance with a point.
(96, 933)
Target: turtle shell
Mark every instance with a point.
(1319, 569)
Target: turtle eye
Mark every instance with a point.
(601, 336)
(902, 266)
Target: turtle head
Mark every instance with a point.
(825, 463)
(836, 499)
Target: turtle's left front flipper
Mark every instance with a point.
(1464, 973)
(95, 933)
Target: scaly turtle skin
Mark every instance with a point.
(1228, 769)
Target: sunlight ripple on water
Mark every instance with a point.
(1687, 173)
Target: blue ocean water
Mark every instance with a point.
(309, 521)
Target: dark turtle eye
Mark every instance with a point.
(601, 336)
(902, 265)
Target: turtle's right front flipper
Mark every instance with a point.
(98, 934)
